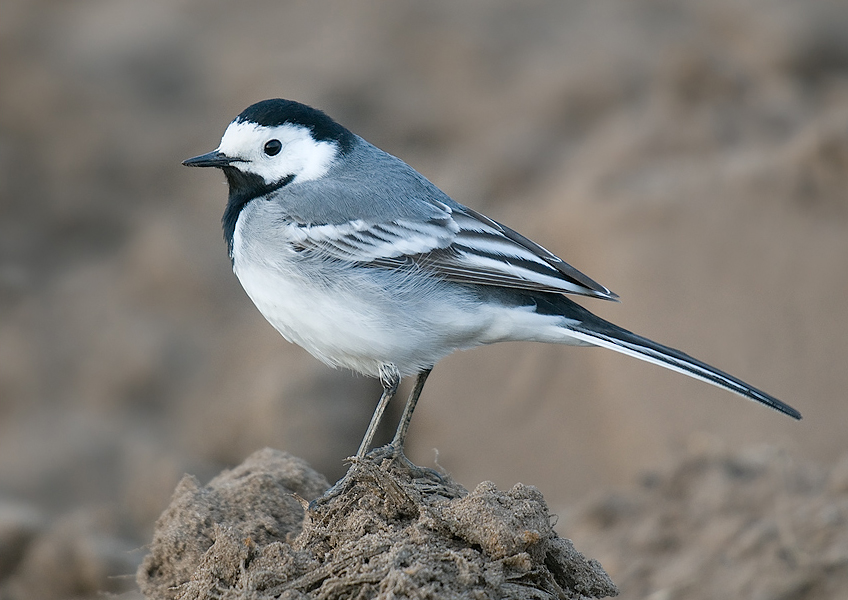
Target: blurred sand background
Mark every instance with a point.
(691, 156)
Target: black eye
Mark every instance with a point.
(273, 147)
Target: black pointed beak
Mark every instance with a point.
(210, 159)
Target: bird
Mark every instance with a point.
(353, 255)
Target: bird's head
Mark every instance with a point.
(276, 141)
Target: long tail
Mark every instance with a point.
(593, 330)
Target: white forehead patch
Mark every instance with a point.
(300, 155)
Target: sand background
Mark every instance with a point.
(691, 156)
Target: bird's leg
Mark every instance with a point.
(403, 426)
(390, 378)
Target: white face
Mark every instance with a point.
(299, 155)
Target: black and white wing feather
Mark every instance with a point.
(457, 244)
(488, 253)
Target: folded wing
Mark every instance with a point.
(456, 244)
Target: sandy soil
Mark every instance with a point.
(712, 524)
(389, 530)
(692, 156)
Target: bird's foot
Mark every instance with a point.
(385, 458)
(391, 456)
(341, 486)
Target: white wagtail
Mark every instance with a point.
(355, 256)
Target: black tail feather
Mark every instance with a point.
(592, 329)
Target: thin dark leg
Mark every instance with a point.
(390, 378)
(403, 426)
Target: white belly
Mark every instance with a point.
(325, 321)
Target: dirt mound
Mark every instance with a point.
(388, 530)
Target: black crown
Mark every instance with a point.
(275, 112)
